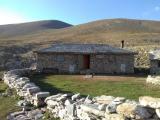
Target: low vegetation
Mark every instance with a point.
(7, 104)
(127, 86)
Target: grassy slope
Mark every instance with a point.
(138, 35)
(130, 87)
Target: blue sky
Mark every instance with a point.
(77, 11)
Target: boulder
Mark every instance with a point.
(127, 109)
(150, 102)
(104, 99)
(144, 112)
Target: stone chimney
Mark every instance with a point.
(122, 44)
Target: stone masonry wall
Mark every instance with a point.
(112, 64)
(98, 63)
(63, 65)
(69, 106)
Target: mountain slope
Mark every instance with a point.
(139, 35)
(112, 32)
(12, 30)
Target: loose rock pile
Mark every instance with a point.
(155, 80)
(76, 107)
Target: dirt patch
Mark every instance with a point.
(110, 78)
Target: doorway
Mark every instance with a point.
(86, 61)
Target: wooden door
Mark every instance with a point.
(86, 61)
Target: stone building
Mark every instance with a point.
(154, 57)
(85, 58)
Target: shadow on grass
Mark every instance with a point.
(39, 80)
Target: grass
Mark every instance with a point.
(129, 87)
(7, 104)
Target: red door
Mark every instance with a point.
(86, 61)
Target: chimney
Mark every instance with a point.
(122, 44)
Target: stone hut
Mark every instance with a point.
(85, 58)
(154, 57)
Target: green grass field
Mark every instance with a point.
(7, 104)
(129, 87)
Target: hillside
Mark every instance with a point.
(13, 30)
(139, 35)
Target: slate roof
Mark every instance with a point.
(85, 49)
(154, 55)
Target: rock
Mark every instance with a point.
(22, 103)
(75, 96)
(143, 112)
(149, 102)
(114, 117)
(104, 99)
(158, 112)
(111, 108)
(17, 113)
(28, 85)
(102, 107)
(155, 80)
(119, 100)
(53, 97)
(88, 100)
(33, 90)
(127, 109)
(93, 109)
(51, 103)
(62, 113)
(71, 110)
(39, 116)
(35, 114)
(68, 102)
(38, 99)
(42, 95)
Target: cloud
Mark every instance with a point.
(157, 8)
(9, 17)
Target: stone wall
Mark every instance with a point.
(71, 106)
(154, 80)
(31, 94)
(114, 64)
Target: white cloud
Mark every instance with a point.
(10, 17)
(157, 8)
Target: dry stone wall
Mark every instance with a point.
(155, 80)
(76, 107)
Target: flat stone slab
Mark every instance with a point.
(150, 102)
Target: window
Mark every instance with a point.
(158, 63)
(60, 58)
